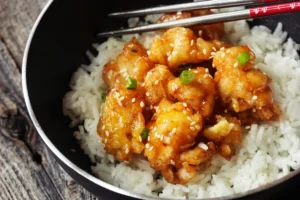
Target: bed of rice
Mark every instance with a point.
(269, 151)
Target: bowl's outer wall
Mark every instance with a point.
(66, 31)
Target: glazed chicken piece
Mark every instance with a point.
(171, 147)
(122, 123)
(199, 94)
(180, 46)
(132, 62)
(156, 82)
(226, 133)
(207, 32)
(242, 87)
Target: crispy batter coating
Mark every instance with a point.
(156, 82)
(132, 62)
(180, 46)
(242, 87)
(226, 133)
(122, 122)
(171, 148)
(200, 94)
(207, 32)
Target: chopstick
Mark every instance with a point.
(190, 6)
(257, 12)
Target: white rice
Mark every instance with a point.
(269, 151)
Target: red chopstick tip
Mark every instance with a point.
(275, 9)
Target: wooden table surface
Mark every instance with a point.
(27, 169)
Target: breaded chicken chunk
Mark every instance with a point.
(132, 62)
(241, 86)
(171, 147)
(156, 84)
(207, 32)
(180, 46)
(199, 94)
(122, 123)
(226, 133)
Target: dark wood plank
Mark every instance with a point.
(25, 162)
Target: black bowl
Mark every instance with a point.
(56, 47)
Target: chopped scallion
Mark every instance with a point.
(144, 133)
(243, 58)
(186, 77)
(131, 83)
(103, 97)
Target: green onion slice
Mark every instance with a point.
(131, 83)
(243, 58)
(103, 97)
(145, 133)
(186, 77)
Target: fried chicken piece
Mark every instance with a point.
(200, 94)
(122, 123)
(207, 32)
(132, 62)
(226, 133)
(171, 148)
(156, 82)
(180, 46)
(242, 87)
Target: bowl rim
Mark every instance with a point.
(85, 174)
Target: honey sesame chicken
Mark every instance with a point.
(156, 82)
(132, 62)
(207, 32)
(200, 94)
(171, 148)
(182, 101)
(180, 46)
(122, 122)
(242, 87)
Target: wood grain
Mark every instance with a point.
(27, 169)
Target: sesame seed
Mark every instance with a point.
(135, 69)
(172, 162)
(173, 130)
(127, 150)
(103, 127)
(204, 51)
(125, 74)
(171, 45)
(140, 138)
(184, 104)
(179, 13)
(143, 84)
(236, 64)
(169, 58)
(184, 111)
(189, 118)
(123, 70)
(192, 42)
(225, 110)
(214, 48)
(147, 145)
(253, 109)
(222, 49)
(213, 53)
(203, 146)
(122, 98)
(198, 127)
(205, 75)
(133, 100)
(206, 70)
(161, 137)
(148, 52)
(156, 82)
(168, 53)
(192, 128)
(247, 127)
(228, 51)
(148, 138)
(107, 133)
(193, 123)
(213, 65)
(147, 94)
(167, 140)
(254, 97)
(223, 55)
(142, 104)
(151, 148)
(105, 141)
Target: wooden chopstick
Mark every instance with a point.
(256, 12)
(191, 6)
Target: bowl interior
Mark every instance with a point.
(58, 47)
